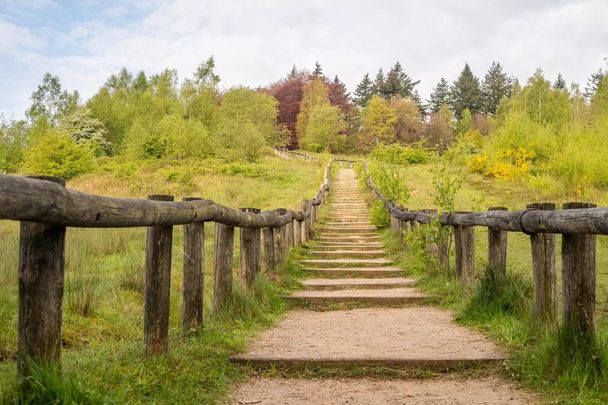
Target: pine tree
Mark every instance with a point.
(560, 83)
(593, 82)
(364, 91)
(339, 95)
(293, 73)
(466, 93)
(496, 85)
(318, 72)
(398, 83)
(379, 83)
(439, 96)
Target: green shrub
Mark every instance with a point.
(378, 214)
(56, 154)
(401, 155)
(390, 182)
(244, 169)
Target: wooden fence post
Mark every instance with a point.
(289, 230)
(578, 284)
(158, 284)
(279, 240)
(269, 260)
(464, 237)
(413, 223)
(544, 272)
(249, 252)
(402, 228)
(432, 249)
(41, 280)
(193, 270)
(297, 232)
(222, 267)
(497, 251)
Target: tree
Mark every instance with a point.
(56, 154)
(50, 101)
(599, 101)
(13, 142)
(83, 128)
(409, 125)
(339, 96)
(593, 82)
(560, 83)
(466, 93)
(318, 72)
(288, 92)
(496, 86)
(315, 94)
(205, 74)
(439, 133)
(439, 96)
(397, 83)
(378, 124)
(364, 91)
(325, 129)
(246, 123)
(379, 83)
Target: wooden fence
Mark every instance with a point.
(45, 208)
(288, 154)
(578, 223)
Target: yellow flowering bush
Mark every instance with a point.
(506, 164)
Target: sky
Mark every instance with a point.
(256, 42)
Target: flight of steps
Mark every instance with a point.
(348, 264)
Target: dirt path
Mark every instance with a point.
(386, 325)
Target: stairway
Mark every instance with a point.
(358, 312)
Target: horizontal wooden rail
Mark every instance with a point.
(39, 200)
(531, 220)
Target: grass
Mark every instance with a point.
(544, 360)
(103, 302)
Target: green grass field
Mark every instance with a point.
(103, 301)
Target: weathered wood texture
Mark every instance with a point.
(250, 254)
(269, 260)
(464, 237)
(222, 266)
(193, 275)
(578, 281)
(544, 272)
(497, 251)
(297, 232)
(41, 280)
(158, 284)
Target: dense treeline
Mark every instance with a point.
(495, 125)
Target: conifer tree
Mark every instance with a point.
(496, 85)
(379, 83)
(593, 83)
(560, 83)
(398, 83)
(466, 93)
(364, 91)
(439, 96)
(318, 72)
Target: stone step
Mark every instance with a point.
(350, 283)
(418, 338)
(369, 297)
(345, 222)
(333, 245)
(344, 253)
(347, 262)
(341, 237)
(340, 272)
(348, 229)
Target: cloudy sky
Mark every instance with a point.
(257, 42)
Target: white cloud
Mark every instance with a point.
(256, 42)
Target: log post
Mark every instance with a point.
(313, 213)
(249, 252)
(544, 272)
(297, 232)
(413, 224)
(193, 274)
(402, 228)
(578, 285)
(268, 234)
(464, 237)
(289, 230)
(41, 280)
(279, 240)
(497, 251)
(158, 284)
(222, 267)
(432, 249)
